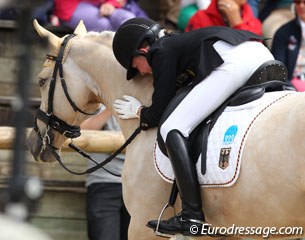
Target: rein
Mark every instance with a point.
(65, 129)
(86, 155)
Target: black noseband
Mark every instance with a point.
(59, 125)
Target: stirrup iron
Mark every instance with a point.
(157, 233)
(171, 203)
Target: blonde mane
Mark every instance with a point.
(104, 37)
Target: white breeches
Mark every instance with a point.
(240, 62)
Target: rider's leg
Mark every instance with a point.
(240, 63)
(184, 168)
(180, 155)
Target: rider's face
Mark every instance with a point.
(141, 64)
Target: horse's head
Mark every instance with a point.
(79, 73)
(68, 93)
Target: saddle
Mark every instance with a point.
(270, 76)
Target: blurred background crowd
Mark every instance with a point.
(280, 20)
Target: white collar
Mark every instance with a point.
(302, 23)
(162, 33)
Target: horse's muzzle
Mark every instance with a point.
(35, 146)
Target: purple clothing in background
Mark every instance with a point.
(133, 7)
(89, 13)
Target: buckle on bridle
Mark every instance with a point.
(70, 134)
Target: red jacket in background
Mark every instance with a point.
(212, 17)
(64, 9)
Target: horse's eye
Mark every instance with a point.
(42, 81)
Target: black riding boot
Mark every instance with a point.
(179, 153)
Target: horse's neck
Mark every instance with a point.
(109, 76)
(115, 88)
(111, 79)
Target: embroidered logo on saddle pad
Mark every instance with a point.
(225, 151)
(225, 144)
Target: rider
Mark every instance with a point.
(218, 61)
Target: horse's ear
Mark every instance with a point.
(52, 38)
(80, 29)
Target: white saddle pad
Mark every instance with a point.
(225, 143)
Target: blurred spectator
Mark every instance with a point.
(9, 13)
(107, 217)
(255, 6)
(134, 7)
(169, 12)
(42, 12)
(97, 15)
(233, 13)
(289, 46)
(273, 15)
(187, 9)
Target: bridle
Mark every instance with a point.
(65, 129)
(51, 120)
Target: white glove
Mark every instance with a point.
(127, 108)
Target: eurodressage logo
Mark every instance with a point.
(225, 151)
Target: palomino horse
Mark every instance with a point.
(270, 191)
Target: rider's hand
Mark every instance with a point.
(127, 108)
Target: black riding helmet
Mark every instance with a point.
(128, 39)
